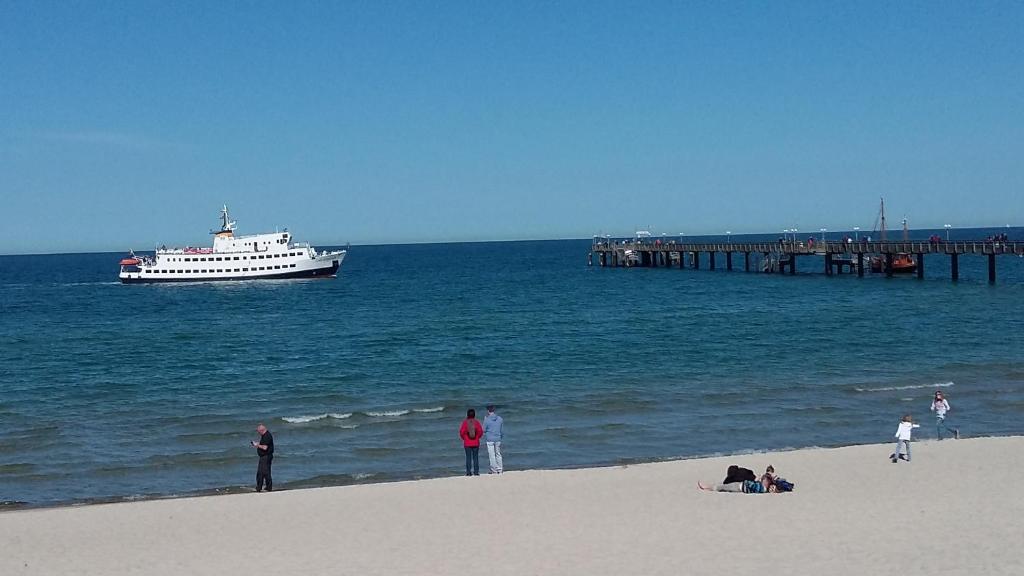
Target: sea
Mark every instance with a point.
(114, 392)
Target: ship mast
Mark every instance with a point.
(226, 224)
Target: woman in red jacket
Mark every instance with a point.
(470, 432)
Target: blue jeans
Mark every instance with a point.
(940, 423)
(900, 443)
(472, 457)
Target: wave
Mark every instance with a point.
(907, 387)
(386, 413)
(307, 419)
(428, 410)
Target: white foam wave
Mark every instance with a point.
(428, 410)
(349, 426)
(307, 419)
(303, 419)
(387, 413)
(907, 387)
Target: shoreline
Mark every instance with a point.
(852, 512)
(374, 479)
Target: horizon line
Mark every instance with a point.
(509, 240)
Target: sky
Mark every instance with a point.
(128, 124)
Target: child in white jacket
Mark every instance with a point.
(903, 438)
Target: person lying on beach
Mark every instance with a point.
(745, 487)
(738, 479)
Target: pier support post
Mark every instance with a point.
(920, 265)
(992, 268)
(954, 266)
(682, 260)
(615, 259)
(792, 264)
(746, 261)
(696, 260)
(888, 264)
(711, 260)
(860, 264)
(828, 264)
(728, 261)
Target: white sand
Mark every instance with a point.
(958, 508)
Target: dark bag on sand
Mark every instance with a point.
(471, 429)
(783, 485)
(738, 474)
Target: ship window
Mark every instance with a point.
(203, 259)
(277, 267)
(218, 258)
(292, 265)
(262, 268)
(245, 269)
(261, 256)
(236, 257)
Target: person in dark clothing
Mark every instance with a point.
(736, 474)
(265, 450)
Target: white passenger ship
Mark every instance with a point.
(261, 256)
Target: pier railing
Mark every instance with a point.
(821, 248)
(778, 256)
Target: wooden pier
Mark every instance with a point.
(781, 256)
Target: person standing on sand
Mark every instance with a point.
(265, 450)
(940, 406)
(903, 438)
(470, 432)
(494, 433)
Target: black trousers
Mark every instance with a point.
(263, 473)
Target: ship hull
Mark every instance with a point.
(328, 271)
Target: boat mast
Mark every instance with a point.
(882, 213)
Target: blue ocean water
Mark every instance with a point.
(110, 391)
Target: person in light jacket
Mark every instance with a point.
(494, 433)
(903, 438)
(941, 406)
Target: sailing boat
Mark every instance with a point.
(902, 263)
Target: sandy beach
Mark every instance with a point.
(954, 510)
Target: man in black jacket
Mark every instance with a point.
(265, 450)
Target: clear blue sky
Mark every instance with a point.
(128, 124)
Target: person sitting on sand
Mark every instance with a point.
(768, 479)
